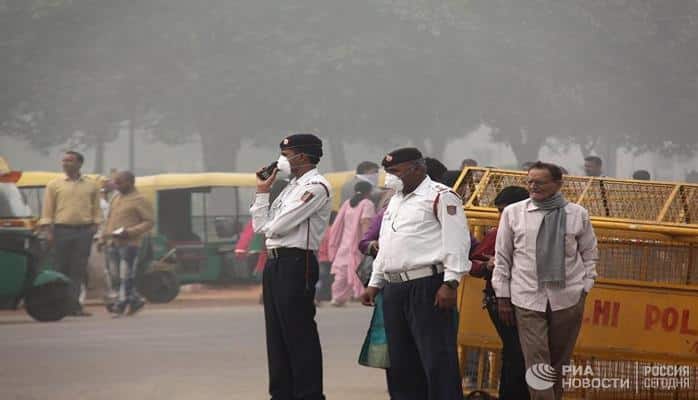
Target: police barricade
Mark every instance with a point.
(639, 338)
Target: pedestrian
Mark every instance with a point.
(323, 287)
(641, 175)
(366, 171)
(70, 216)
(512, 382)
(545, 265)
(130, 218)
(422, 255)
(111, 275)
(352, 222)
(692, 176)
(468, 162)
(593, 166)
(293, 226)
(450, 177)
(435, 169)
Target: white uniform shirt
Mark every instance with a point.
(412, 237)
(515, 273)
(285, 224)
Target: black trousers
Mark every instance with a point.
(293, 345)
(512, 378)
(72, 247)
(421, 342)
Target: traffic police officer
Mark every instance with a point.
(422, 255)
(293, 226)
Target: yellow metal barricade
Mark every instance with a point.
(643, 311)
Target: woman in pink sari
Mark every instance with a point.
(349, 227)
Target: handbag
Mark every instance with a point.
(374, 351)
(365, 269)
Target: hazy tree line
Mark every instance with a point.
(597, 73)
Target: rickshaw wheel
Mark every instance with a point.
(49, 302)
(159, 286)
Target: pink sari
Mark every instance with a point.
(343, 248)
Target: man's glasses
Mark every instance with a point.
(531, 182)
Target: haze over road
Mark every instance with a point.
(183, 352)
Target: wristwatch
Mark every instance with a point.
(453, 284)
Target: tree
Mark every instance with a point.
(425, 71)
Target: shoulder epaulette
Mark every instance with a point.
(438, 196)
(327, 191)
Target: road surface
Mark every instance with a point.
(175, 352)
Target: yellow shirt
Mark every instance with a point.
(131, 212)
(71, 202)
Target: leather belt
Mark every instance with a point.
(281, 252)
(66, 226)
(417, 273)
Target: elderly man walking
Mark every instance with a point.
(545, 264)
(130, 218)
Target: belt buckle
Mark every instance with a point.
(394, 277)
(404, 276)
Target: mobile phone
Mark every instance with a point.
(267, 171)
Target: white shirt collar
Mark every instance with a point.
(306, 177)
(423, 188)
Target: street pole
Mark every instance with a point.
(131, 145)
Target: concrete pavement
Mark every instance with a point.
(179, 351)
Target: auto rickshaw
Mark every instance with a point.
(45, 293)
(643, 311)
(199, 221)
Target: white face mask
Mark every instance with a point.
(393, 182)
(372, 178)
(284, 165)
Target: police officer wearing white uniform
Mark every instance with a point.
(293, 225)
(422, 255)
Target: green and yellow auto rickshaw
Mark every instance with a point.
(45, 293)
(200, 221)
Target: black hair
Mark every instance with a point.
(435, 168)
(510, 195)
(642, 175)
(450, 177)
(595, 159)
(469, 162)
(77, 155)
(130, 177)
(555, 171)
(365, 166)
(361, 190)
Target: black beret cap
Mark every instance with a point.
(401, 155)
(303, 143)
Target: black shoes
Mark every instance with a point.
(136, 306)
(118, 309)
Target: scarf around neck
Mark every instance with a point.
(550, 242)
